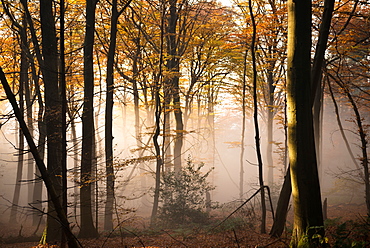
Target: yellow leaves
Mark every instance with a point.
(76, 1)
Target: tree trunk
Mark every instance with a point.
(22, 83)
(157, 131)
(255, 118)
(363, 138)
(308, 218)
(87, 226)
(38, 185)
(270, 122)
(63, 97)
(108, 216)
(316, 77)
(159, 161)
(52, 112)
(316, 73)
(339, 122)
(242, 148)
(18, 179)
(282, 207)
(173, 91)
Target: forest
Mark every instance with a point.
(184, 123)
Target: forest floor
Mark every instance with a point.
(346, 226)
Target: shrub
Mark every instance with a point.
(183, 195)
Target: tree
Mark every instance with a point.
(47, 178)
(308, 218)
(23, 81)
(316, 73)
(53, 111)
(108, 224)
(87, 225)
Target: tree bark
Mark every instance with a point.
(308, 218)
(52, 112)
(87, 226)
(316, 73)
(108, 216)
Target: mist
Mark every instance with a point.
(221, 151)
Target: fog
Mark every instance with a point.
(221, 151)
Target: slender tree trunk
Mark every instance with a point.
(282, 206)
(255, 118)
(158, 109)
(363, 139)
(75, 164)
(159, 161)
(270, 122)
(63, 97)
(173, 90)
(242, 148)
(316, 77)
(108, 216)
(18, 179)
(308, 218)
(23, 81)
(87, 226)
(41, 123)
(41, 126)
(336, 110)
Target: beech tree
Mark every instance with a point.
(87, 226)
(308, 218)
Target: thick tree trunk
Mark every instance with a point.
(52, 112)
(87, 226)
(308, 218)
(316, 73)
